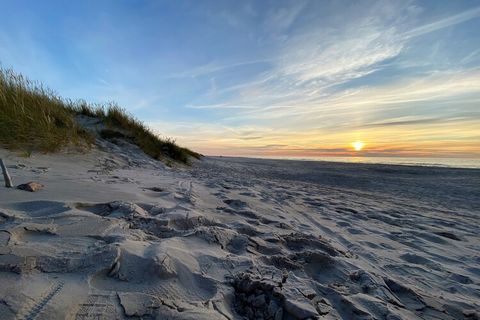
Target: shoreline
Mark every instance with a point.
(334, 160)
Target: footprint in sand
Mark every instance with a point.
(416, 259)
(406, 295)
(236, 204)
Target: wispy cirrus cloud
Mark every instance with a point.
(310, 65)
(444, 23)
(454, 87)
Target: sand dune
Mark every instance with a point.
(115, 235)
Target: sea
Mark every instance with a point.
(417, 161)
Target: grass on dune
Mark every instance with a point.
(35, 118)
(134, 130)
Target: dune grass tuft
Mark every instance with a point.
(35, 118)
(121, 124)
(81, 107)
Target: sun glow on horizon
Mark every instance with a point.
(358, 145)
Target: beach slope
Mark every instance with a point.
(114, 234)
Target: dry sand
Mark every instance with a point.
(114, 235)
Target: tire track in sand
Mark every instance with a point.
(32, 312)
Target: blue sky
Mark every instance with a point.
(266, 77)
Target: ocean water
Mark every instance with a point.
(419, 161)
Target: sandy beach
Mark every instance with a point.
(116, 235)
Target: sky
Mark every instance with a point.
(266, 78)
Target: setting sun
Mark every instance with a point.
(358, 145)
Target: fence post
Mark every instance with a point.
(6, 176)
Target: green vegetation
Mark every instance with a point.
(33, 118)
(125, 126)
